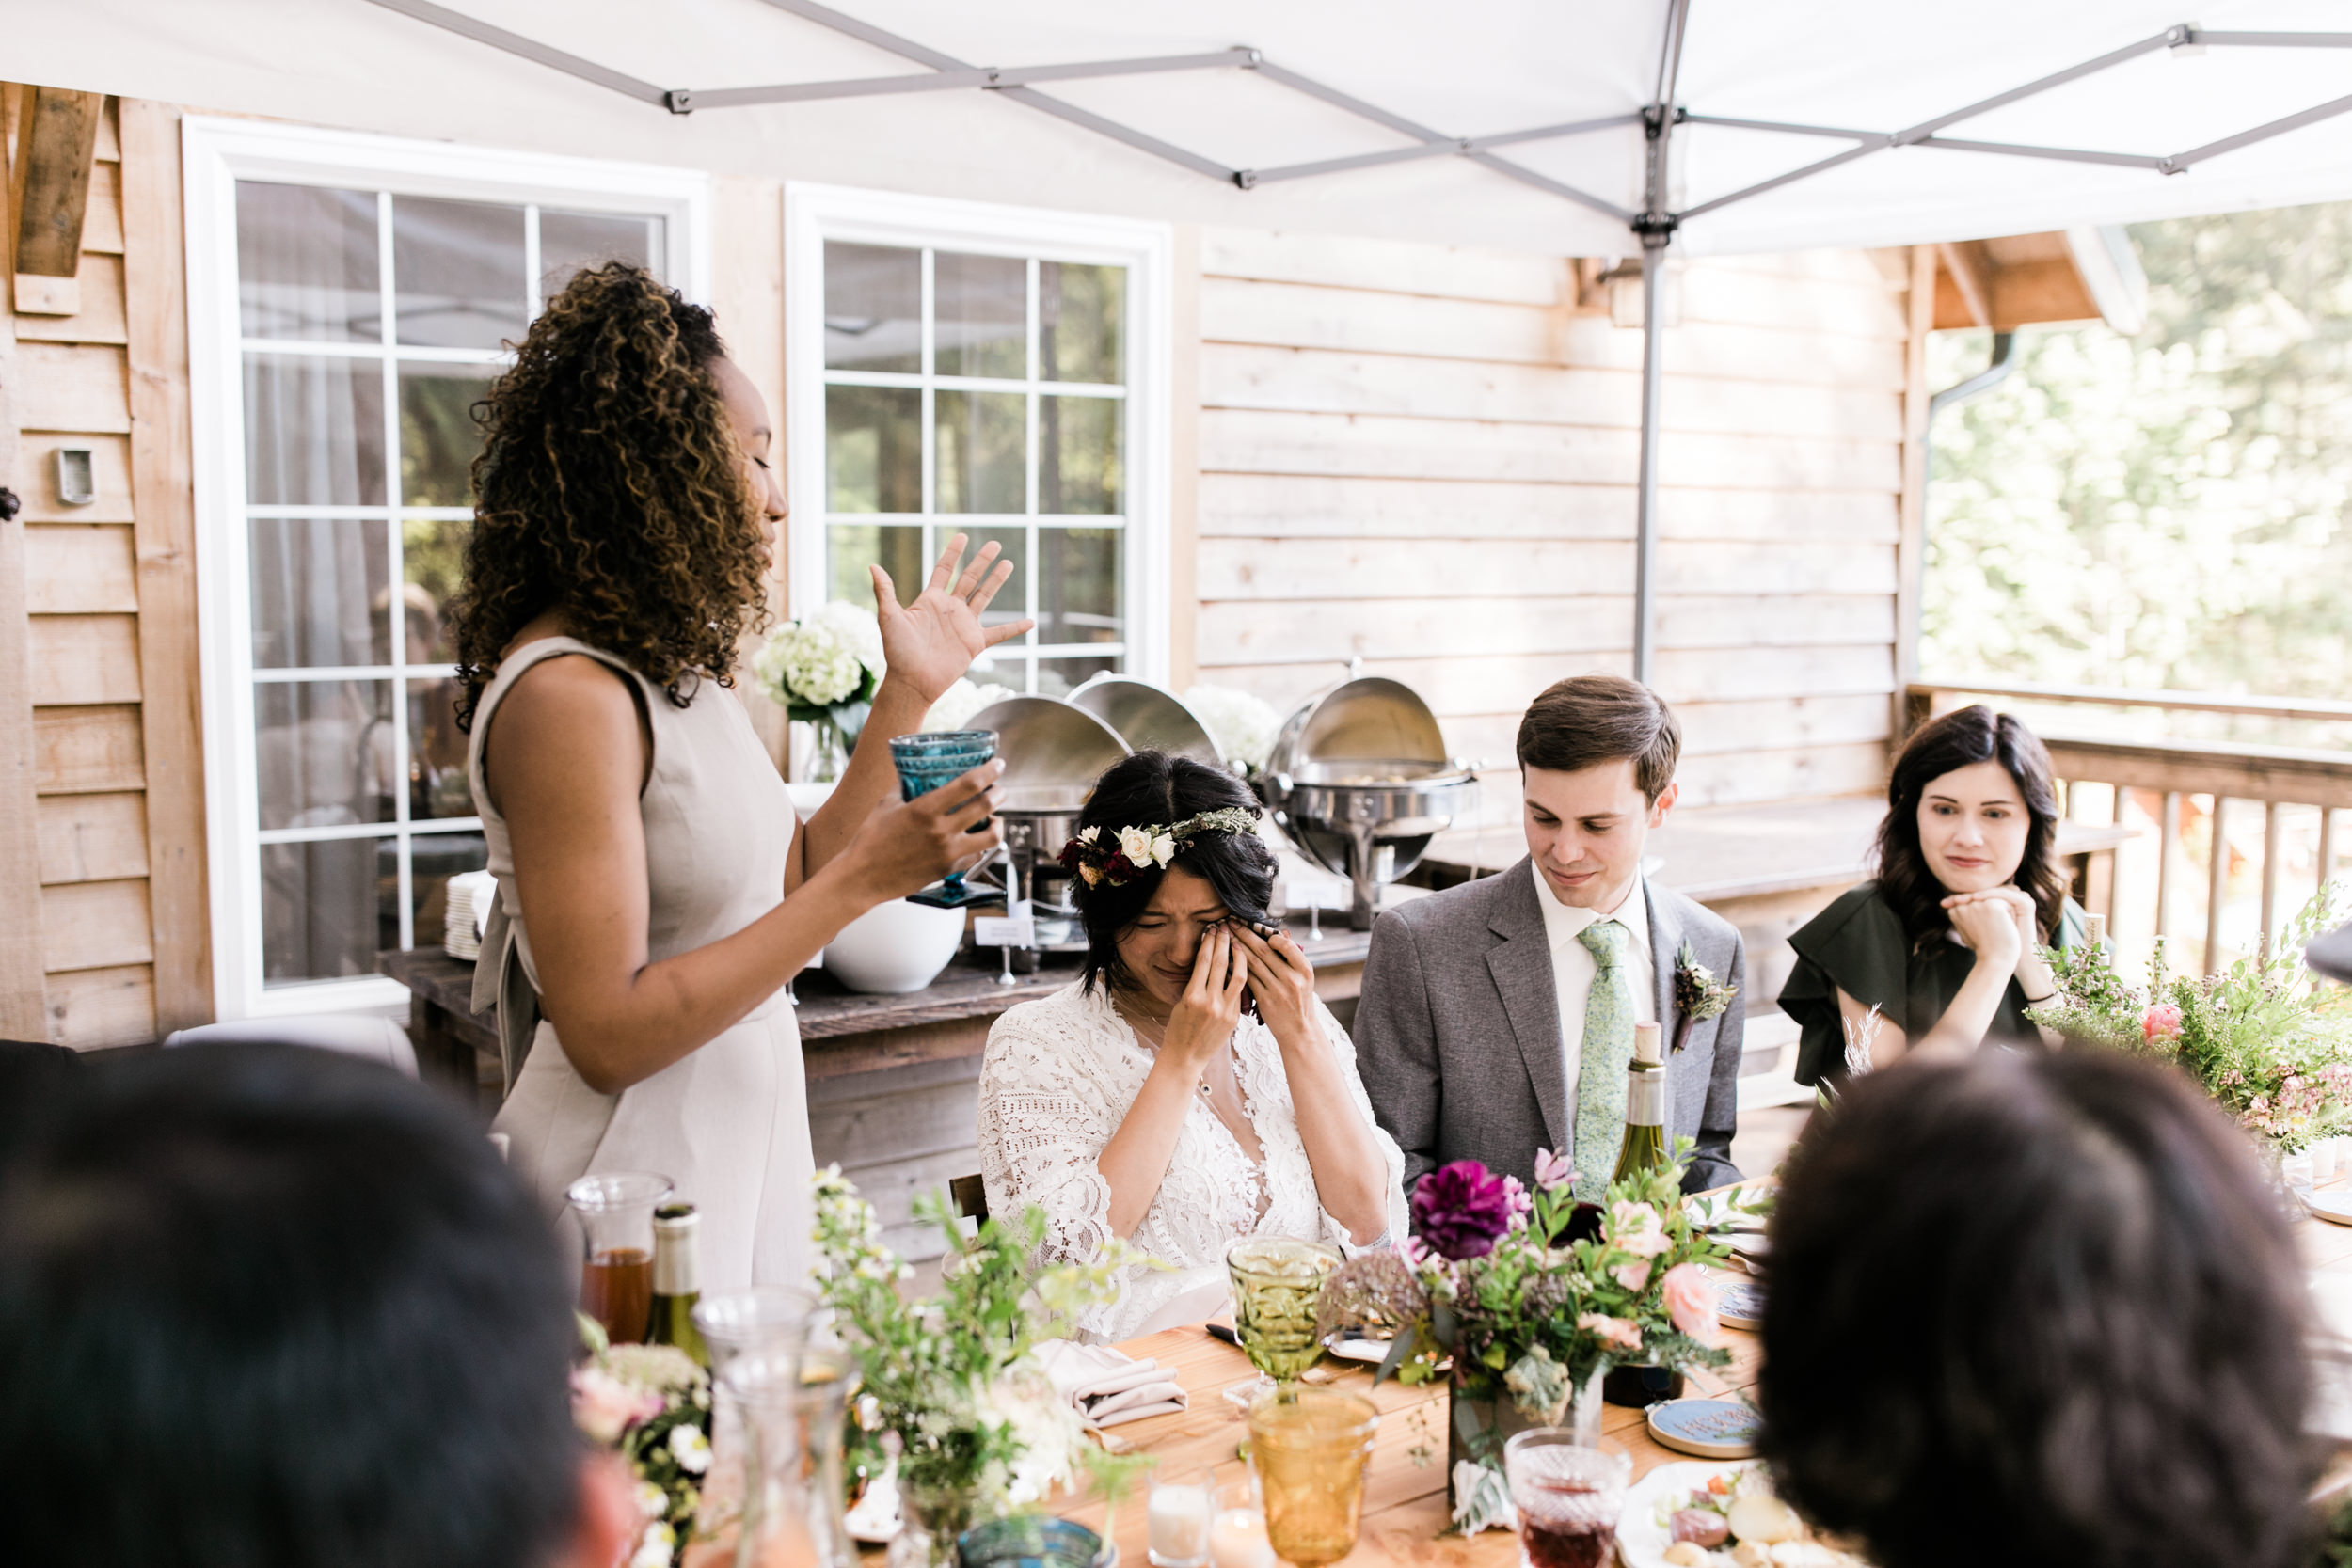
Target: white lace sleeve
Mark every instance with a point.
(1042, 1127)
(1390, 1156)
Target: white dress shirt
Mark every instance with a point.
(1573, 971)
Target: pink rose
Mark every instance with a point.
(1618, 1333)
(1690, 1301)
(1553, 1170)
(1635, 1228)
(1632, 1276)
(604, 1407)
(2163, 1023)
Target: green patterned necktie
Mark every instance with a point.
(1608, 1049)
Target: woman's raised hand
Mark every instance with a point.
(1283, 981)
(933, 641)
(1204, 1018)
(904, 846)
(1988, 923)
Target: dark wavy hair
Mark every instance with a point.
(2037, 1308)
(1972, 734)
(1152, 787)
(610, 487)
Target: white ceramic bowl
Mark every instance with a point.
(894, 947)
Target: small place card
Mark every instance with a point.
(1015, 927)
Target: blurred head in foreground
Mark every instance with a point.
(2037, 1309)
(273, 1308)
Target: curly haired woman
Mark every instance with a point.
(656, 891)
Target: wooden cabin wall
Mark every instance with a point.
(1425, 457)
(109, 596)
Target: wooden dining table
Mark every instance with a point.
(1405, 1514)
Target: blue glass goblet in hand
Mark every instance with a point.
(925, 762)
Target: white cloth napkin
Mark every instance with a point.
(1109, 1387)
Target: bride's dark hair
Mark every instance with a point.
(1972, 735)
(1154, 788)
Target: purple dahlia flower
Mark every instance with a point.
(1460, 1208)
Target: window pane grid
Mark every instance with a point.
(1072, 449)
(357, 754)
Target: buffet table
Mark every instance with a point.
(842, 1032)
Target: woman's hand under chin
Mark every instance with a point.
(1988, 923)
(927, 645)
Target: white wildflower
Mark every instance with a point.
(655, 1548)
(652, 1502)
(689, 1447)
(1243, 724)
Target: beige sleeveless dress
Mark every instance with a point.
(727, 1123)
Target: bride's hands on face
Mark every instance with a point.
(930, 643)
(1281, 980)
(1206, 1015)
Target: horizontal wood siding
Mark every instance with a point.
(1424, 458)
(81, 594)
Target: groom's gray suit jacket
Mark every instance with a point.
(1457, 1033)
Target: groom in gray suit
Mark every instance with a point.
(1497, 1018)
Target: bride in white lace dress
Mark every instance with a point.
(1143, 1101)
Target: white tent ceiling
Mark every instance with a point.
(1476, 69)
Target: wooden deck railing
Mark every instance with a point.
(2164, 779)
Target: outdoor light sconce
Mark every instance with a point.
(77, 476)
(1622, 286)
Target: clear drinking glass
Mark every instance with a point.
(925, 762)
(762, 1320)
(615, 1209)
(1570, 1497)
(1310, 1447)
(1238, 1534)
(1277, 1283)
(776, 1528)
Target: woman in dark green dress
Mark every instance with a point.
(1943, 948)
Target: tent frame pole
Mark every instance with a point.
(1655, 227)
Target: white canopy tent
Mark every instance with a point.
(1619, 128)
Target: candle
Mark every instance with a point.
(1180, 1516)
(1237, 1540)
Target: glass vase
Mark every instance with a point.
(826, 754)
(930, 1520)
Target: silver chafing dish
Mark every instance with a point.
(1359, 779)
(1053, 752)
(1148, 718)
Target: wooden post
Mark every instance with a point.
(2327, 844)
(1184, 455)
(2271, 857)
(2167, 839)
(2218, 874)
(163, 489)
(23, 1000)
(49, 186)
(1911, 565)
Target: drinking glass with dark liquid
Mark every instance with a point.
(1569, 1498)
(615, 1209)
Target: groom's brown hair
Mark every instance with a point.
(1586, 720)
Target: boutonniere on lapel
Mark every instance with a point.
(1698, 995)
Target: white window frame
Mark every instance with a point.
(217, 153)
(814, 214)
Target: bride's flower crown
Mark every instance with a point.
(1129, 853)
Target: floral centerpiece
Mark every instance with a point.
(948, 1380)
(824, 669)
(959, 702)
(651, 1405)
(1536, 1297)
(2271, 1047)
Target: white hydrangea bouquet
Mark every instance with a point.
(1241, 724)
(824, 669)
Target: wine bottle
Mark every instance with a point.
(676, 1281)
(1644, 1146)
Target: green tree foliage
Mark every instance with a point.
(2167, 509)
